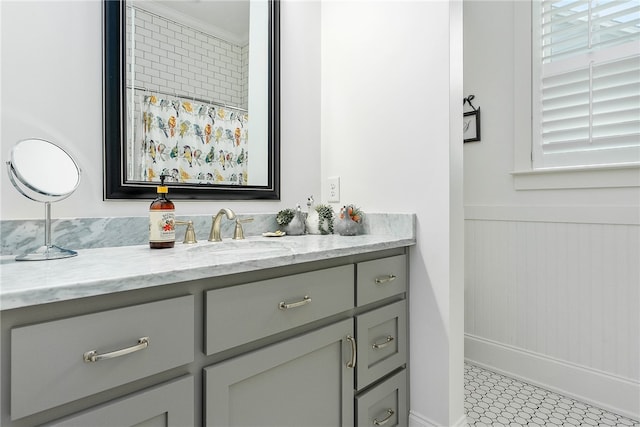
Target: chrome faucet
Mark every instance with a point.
(214, 235)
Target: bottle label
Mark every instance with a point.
(162, 227)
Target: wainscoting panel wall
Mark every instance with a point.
(557, 303)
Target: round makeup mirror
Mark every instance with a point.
(44, 172)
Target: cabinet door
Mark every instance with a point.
(168, 405)
(300, 382)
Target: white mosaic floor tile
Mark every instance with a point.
(495, 400)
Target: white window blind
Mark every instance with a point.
(586, 80)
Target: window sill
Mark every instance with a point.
(610, 176)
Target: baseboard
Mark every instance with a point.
(615, 394)
(462, 422)
(417, 420)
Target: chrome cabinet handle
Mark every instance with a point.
(387, 279)
(385, 420)
(93, 356)
(383, 344)
(284, 306)
(354, 350)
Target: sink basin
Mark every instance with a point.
(241, 246)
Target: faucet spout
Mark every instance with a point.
(214, 235)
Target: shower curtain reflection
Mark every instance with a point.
(192, 142)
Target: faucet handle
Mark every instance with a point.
(238, 234)
(190, 234)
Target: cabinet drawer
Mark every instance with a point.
(381, 278)
(48, 366)
(167, 405)
(385, 404)
(382, 342)
(240, 314)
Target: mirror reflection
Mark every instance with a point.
(199, 99)
(188, 83)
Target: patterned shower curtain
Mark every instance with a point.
(193, 142)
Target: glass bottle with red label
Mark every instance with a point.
(162, 228)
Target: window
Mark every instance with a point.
(586, 82)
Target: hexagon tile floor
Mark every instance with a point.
(494, 400)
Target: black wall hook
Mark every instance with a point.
(469, 99)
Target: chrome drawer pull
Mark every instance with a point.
(352, 363)
(385, 420)
(284, 306)
(383, 344)
(383, 280)
(93, 356)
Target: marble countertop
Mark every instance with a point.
(102, 271)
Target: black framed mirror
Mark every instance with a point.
(209, 171)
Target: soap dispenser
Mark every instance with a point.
(162, 229)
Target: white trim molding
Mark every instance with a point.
(418, 420)
(615, 394)
(462, 422)
(620, 215)
(609, 176)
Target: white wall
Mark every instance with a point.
(491, 31)
(51, 83)
(391, 104)
(391, 81)
(552, 278)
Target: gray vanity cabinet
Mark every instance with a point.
(320, 343)
(168, 405)
(303, 381)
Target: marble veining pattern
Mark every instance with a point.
(20, 236)
(97, 271)
(23, 236)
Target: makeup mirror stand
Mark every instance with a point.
(48, 251)
(43, 172)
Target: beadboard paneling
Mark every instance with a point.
(563, 290)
